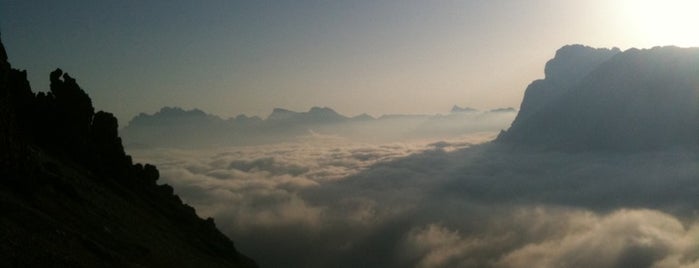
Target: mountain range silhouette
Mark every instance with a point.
(176, 127)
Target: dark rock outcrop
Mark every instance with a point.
(71, 197)
(597, 99)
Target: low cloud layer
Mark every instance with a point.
(326, 201)
(555, 237)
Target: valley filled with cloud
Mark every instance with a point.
(323, 201)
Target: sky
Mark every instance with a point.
(376, 57)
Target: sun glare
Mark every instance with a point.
(664, 22)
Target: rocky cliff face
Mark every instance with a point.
(6, 118)
(598, 99)
(570, 65)
(71, 197)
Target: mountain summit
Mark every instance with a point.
(601, 99)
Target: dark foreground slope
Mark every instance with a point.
(607, 100)
(71, 197)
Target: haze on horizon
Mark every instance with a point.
(378, 57)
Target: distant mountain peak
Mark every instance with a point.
(245, 117)
(314, 115)
(281, 114)
(282, 110)
(316, 109)
(363, 117)
(458, 109)
(325, 112)
(172, 116)
(503, 110)
(177, 111)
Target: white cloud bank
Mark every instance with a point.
(552, 237)
(329, 202)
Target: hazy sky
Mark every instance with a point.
(231, 57)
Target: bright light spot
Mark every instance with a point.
(663, 22)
